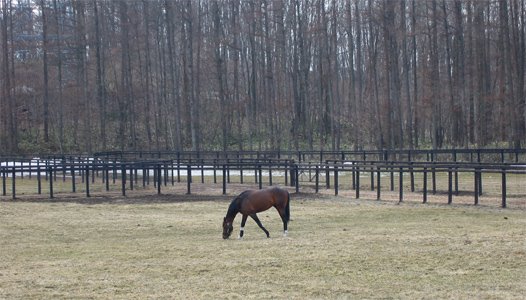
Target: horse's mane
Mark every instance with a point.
(235, 205)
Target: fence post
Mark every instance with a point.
(64, 169)
(401, 184)
(145, 175)
(39, 180)
(87, 180)
(327, 176)
(286, 166)
(214, 166)
(378, 184)
(357, 182)
(480, 182)
(92, 172)
(13, 183)
(434, 180)
(241, 179)
(131, 176)
(107, 175)
(412, 177)
(449, 186)
(293, 175)
(270, 174)
(155, 176)
(309, 168)
(188, 178)
(123, 179)
(50, 170)
(476, 188)
(224, 179)
(425, 185)
(178, 165)
(392, 177)
(260, 176)
(503, 188)
(45, 170)
(372, 178)
(73, 183)
(4, 190)
(297, 180)
(456, 171)
(353, 177)
(159, 179)
(317, 179)
(172, 178)
(164, 170)
(202, 167)
(456, 181)
(336, 180)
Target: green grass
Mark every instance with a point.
(156, 248)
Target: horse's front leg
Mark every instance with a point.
(255, 217)
(285, 222)
(242, 229)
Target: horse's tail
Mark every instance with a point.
(287, 208)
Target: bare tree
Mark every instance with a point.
(263, 74)
(45, 98)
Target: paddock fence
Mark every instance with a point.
(407, 174)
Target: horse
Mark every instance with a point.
(250, 202)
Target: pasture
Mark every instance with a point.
(171, 247)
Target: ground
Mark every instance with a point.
(170, 246)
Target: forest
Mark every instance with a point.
(92, 75)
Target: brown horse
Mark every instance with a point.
(251, 202)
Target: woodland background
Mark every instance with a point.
(97, 75)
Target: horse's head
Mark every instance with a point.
(227, 228)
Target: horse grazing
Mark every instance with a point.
(251, 202)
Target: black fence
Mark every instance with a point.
(447, 155)
(302, 171)
(425, 169)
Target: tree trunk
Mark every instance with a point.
(219, 57)
(59, 79)
(406, 66)
(45, 99)
(174, 95)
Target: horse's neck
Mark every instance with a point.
(233, 209)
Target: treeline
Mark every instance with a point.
(261, 74)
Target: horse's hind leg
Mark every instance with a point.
(255, 217)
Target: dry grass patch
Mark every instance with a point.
(336, 249)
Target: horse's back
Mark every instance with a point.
(280, 195)
(260, 200)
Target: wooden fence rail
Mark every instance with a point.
(471, 155)
(171, 171)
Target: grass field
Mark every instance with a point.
(171, 247)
